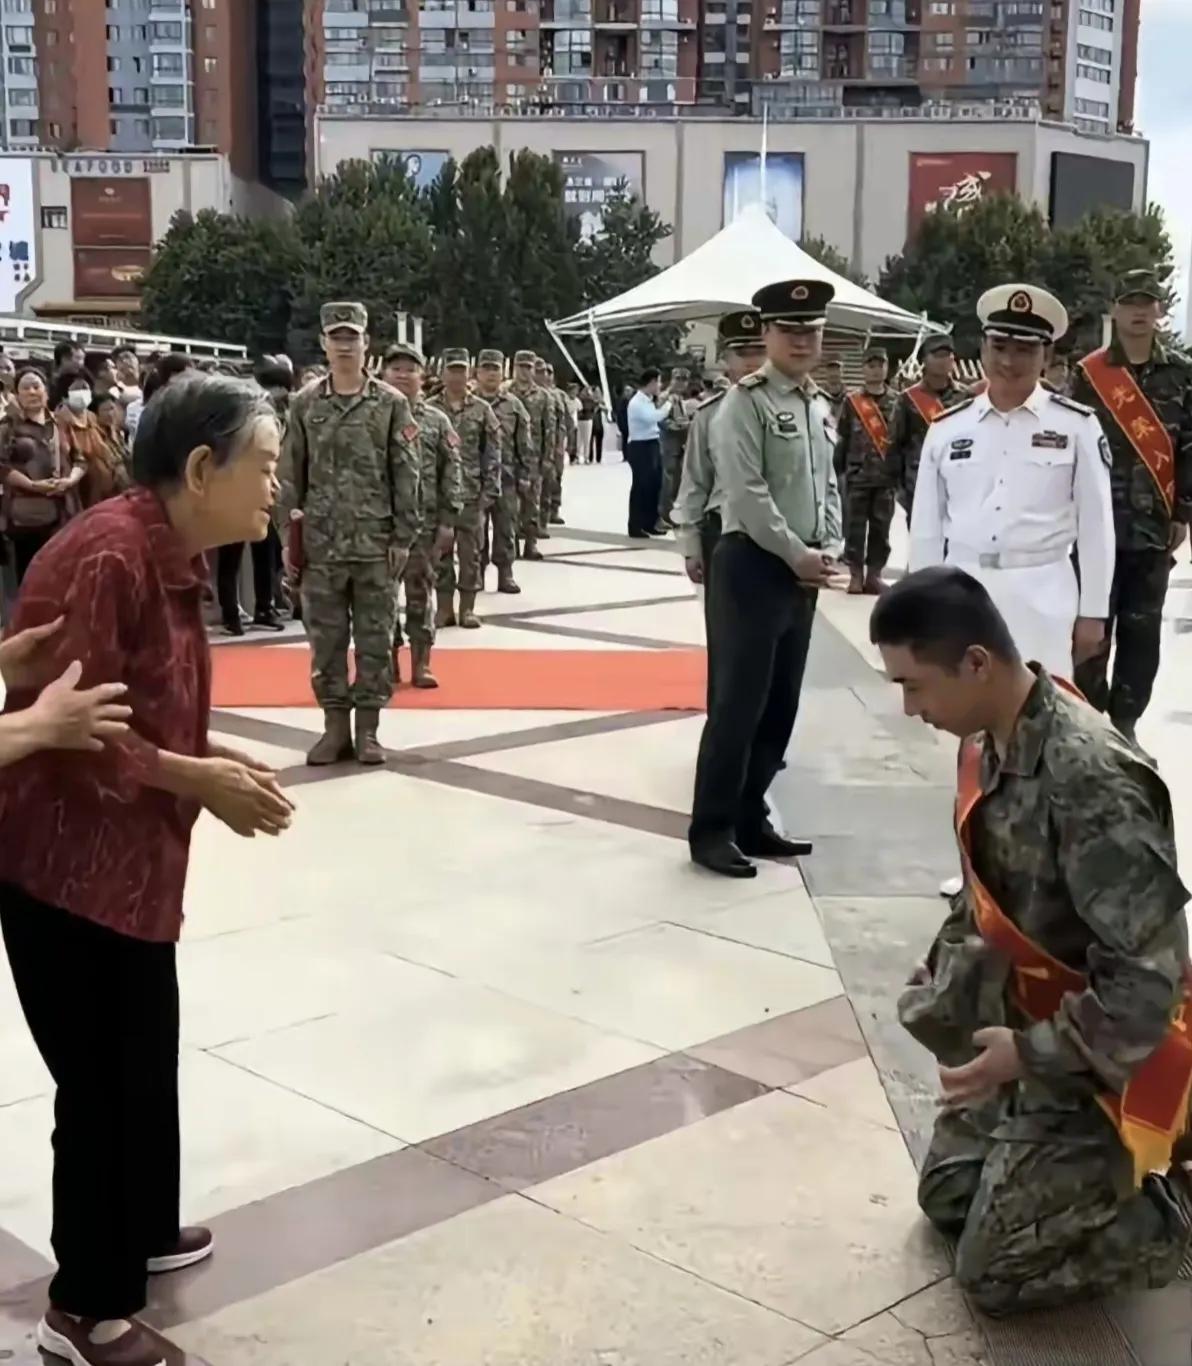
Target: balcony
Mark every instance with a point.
(616, 17)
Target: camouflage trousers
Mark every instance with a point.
(552, 487)
(672, 471)
(1136, 628)
(530, 501)
(868, 512)
(506, 514)
(1046, 1212)
(469, 545)
(419, 580)
(344, 604)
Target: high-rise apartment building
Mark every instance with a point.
(1072, 59)
(130, 76)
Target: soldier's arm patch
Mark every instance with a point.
(452, 436)
(410, 432)
(1106, 453)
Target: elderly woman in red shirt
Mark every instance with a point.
(94, 848)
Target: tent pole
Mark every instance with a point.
(601, 368)
(558, 341)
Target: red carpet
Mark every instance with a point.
(529, 680)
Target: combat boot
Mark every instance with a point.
(368, 747)
(421, 675)
(445, 615)
(467, 611)
(335, 744)
(506, 583)
(873, 584)
(856, 580)
(530, 550)
(543, 533)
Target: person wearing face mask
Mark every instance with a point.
(84, 442)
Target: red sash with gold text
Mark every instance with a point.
(1152, 1112)
(1130, 408)
(873, 422)
(927, 403)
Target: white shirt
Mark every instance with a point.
(645, 417)
(1021, 487)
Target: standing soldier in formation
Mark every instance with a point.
(350, 475)
(1142, 394)
(519, 460)
(537, 407)
(833, 388)
(697, 508)
(672, 433)
(480, 486)
(554, 456)
(442, 506)
(862, 448)
(916, 409)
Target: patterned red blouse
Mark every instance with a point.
(83, 831)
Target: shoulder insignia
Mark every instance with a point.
(712, 398)
(1065, 402)
(753, 381)
(955, 408)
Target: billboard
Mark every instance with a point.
(422, 167)
(1080, 184)
(111, 213)
(957, 181)
(587, 179)
(110, 272)
(784, 188)
(18, 234)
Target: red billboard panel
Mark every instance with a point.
(111, 213)
(110, 272)
(956, 181)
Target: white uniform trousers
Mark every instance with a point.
(1039, 604)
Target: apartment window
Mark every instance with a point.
(935, 63)
(142, 128)
(343, 59)
(209, 4)
(941, 7)
(1093, 73)
(573, 53)
(54, 130)
(113, 63)
(1091, 20)
(166, 33)
(390, 90)
(1094, 54)
(1094, 107)
(339, 6)
(515, 92)
(113, 33)
(140, 94)
(51, 39)
(894, 10)
(169, 129)
(943, 41)
(18, 35)
(210, 65)
(659, 53)
(24, 99)
(517, 39)
(475, 40)
(138, 65)
(887, 44)
(22, 66)
(800, 54)
(115, 94)
(140, 33)
(169, 95)
(167, 64)
(660, 11)
(22, 128)
(18, 6)
(347, 35)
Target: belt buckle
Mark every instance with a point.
(990, 560)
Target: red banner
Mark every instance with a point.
(955, 181)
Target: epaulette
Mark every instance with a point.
(712, 398)
(955, 408)
(752, 381)
(1065, 402)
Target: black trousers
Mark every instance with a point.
(709, 534)
(645, 460)
(103, 1011)
(1136, 627)
(26, 542)
(760, 619)
(596, 440)
(227, 575)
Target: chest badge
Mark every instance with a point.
(961, 448)
(1050, 441)
(787, 423)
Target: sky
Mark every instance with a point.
(1164, 116)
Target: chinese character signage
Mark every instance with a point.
(589, 177)
(422, 167)
(955, 181)
(18, 238)
(783, 191)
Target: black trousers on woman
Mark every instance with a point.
(26, 542)
(645, 460)
(103, 1011)
(759, 631)
(227, 574)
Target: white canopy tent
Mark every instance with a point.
(723, 275)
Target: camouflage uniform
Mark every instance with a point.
(554, 453)
(672, 435)
(869, 497)
(441, 507)
(1142, 524)
(351, 465)
(518, 462)
(908, 429)
(1074, 841)
(480, 483)
(538, 410)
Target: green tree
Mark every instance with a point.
(619, 257)
(821, 250)
(364, 234)
(540, 265)
(223, 278)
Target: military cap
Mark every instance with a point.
(1144, 284)
(524, 358)
(540, 364)
(455, 355)
(491, 356)
(739, 329)
(938, 341)
(404, 351)
(801, 304)
(350, 315)
(680, 372)
(876, 353)
(1022, 312)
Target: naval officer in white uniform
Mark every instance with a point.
(1011, 480)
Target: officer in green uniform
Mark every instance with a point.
(479, 436)
(350, 474)
(1141, 392)
(442, 505)
(519, 463)
(916, 409)
(780, 516)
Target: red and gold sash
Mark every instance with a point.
(928, 403)
(1152, 1112)
(873, 421)
(1130, 408)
